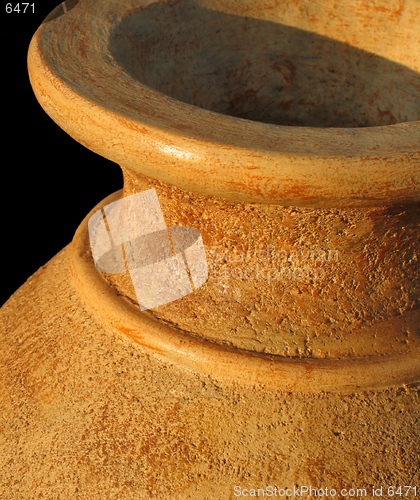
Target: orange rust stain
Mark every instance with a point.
(397, 12)
(386, 10)
(82, 48)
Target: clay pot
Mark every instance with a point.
(289, 136)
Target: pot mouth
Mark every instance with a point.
(202, 99)
(261, 70)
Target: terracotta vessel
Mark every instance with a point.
(288, 134)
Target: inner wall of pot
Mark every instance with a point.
(262, 70)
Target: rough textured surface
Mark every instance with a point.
(334, 283)
(88, 414)
(385, 367)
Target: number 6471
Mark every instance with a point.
(17, 8)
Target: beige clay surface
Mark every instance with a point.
(88, 413)
(289, 128)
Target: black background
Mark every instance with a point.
(49, 181)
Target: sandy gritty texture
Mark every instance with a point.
(88, 414)
(350, 282)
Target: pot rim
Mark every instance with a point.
(80, 85)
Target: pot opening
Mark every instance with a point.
(262, 71)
